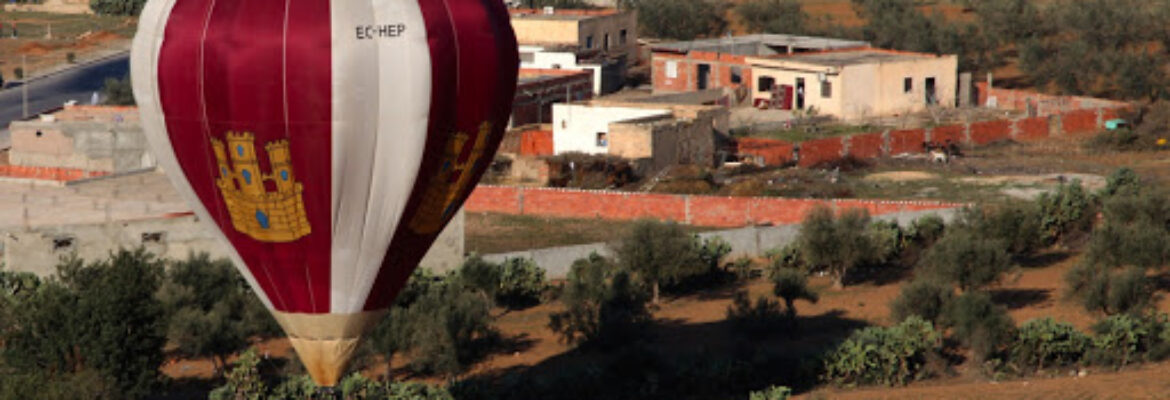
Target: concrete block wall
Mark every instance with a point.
(717, 211)
(752, 241)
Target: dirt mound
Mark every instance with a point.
(96, 38)
(36, 48)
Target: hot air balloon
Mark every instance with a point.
(326, 141)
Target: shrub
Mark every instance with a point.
(712, 251)
(678, 19)
(785, 257)
(835, 244)
(602, 305)
(887, 239)
(1119, 339)
(791, 284)
(1101, 289)
(70, 57)
(1122, 181)
(118, 92)
(922, 298)
(926, 230)
(1141, 245)
(1123, 139)
(775, 16)
(966, 260)
(980, 324)
(1044, 343)
(449, 326)
(522, 283)
(18, 72)
(117, 7)
(660, 253)
(1066, 211)
(759, 319)
(771, 393)
(883, 355)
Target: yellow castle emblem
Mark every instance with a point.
(452, 179)
(264, 215)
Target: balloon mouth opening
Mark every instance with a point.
(325, 343)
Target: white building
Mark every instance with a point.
(537, 57)
(584, 127)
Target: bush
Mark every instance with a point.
(759, 319)
(1100, 289)
(603, 306)
(449, 326)
(244, 382)
(772, 16)
(923, 299)
(1122, 181)
(926, 230)
(886, 356)
(522, 283)
(887, 239)
(1069, 210)
(1120, 338)
(791, 284)
(1123, 139)
(1044, 343)
(980, 324)
(118, 92)
(771, 393)
(966, 260)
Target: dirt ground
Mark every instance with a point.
(85, 36)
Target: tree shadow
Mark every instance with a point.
(1161, 281)
(1015, 299)
(879, 275)
(1043, 260)
(675, 359)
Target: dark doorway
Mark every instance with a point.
(931, 96)
(704, 73)
(799, 93)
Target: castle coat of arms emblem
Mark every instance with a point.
(453, 178)
(262, 214)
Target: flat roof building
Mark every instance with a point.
(594, 34)
(857, 83)
(721, 62)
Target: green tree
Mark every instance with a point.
(659, 253)
(837, 245)
(922, 298)
(602, 304)
(213, 311)
(791, 284)
(980, 324)
(449, 326)
(966, 260)
(678, 19)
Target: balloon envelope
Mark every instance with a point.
(328, 142)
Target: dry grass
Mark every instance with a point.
(487, 233)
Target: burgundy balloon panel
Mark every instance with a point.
(330, 143)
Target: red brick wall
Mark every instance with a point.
(536, 143)
(48, 173)
(696, 210)
(1032, 128)
(866, 146)
(954, 133)
(907, 141)
(1079, 122)
(813, 152)
(989, 131)
(774, 152)
(687, 79)
(658, 72)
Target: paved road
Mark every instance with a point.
(53, 90)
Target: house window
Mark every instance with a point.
(63, 243)
(765, 83)
(622, 37)
(736, 75)
(601, 140)
(907, 85)
(672, 69)
(826, 89)
(605, 44)
(152, 237)
(589, 42)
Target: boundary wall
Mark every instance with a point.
(716, 211)
(1072, 123)
(752, 241)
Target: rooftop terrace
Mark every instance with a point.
(760, 45)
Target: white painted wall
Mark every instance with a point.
(558, 60)
(575, 126)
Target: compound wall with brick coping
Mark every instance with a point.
(47, 173)
(892, 142)
(717, 211)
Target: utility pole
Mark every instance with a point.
(24, 82)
